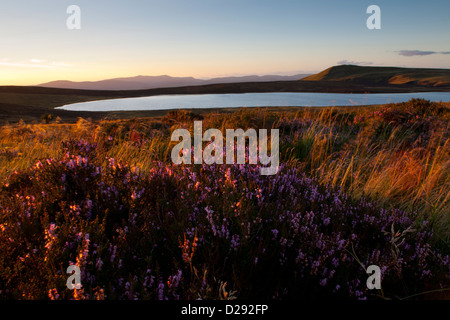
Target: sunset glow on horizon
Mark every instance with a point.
(206, 39)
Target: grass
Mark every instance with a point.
(355, 150)
(396, 156)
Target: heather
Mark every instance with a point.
(357, 187)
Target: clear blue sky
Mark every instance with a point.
(208, 38)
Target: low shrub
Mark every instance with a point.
(208, 232)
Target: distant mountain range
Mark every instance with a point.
(153, 82)
(342, 78)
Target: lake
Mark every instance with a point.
(278, 99)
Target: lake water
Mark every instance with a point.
(279, 99)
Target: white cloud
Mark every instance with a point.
(34, 63)
(61, 64)
(358, 63)
(37, 61)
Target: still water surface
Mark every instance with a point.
(279, 99)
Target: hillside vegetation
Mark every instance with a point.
(356, 187)
(384, 75)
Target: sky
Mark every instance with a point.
(212, 38)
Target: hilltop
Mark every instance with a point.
(384, 76)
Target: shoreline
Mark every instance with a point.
(30, 103)
(258, 100)
(73, 116)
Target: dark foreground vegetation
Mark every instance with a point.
(357, 187)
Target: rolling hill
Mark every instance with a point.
(384, 76)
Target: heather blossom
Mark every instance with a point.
(176, 232)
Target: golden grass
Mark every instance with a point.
(413, 178)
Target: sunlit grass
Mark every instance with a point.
(365, 165)
(402, 165)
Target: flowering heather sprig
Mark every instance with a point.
(133, 233)
(53, 294)
(82, 257)
(50, 236)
